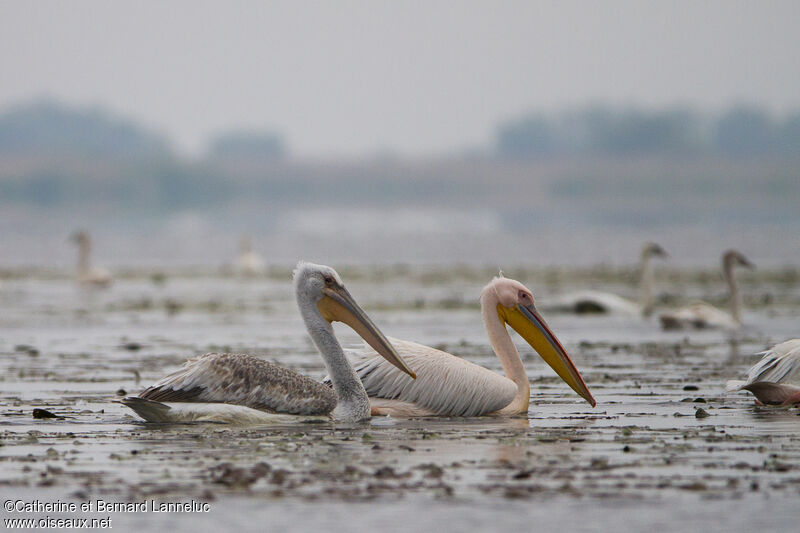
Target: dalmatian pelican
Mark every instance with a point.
(451, 386)
(701, 315)
(239, 388)
(775, 379)
(88, 275)
(586, 302)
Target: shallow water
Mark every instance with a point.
(641, 458)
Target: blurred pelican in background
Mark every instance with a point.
(88, 275)
(248, 263)
(606, 302)
(775, 379)
(451, 386)
(701, 315)
(239, 388)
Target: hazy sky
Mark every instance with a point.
(352, 78)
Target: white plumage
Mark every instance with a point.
(248, 263)
(589, 301)
(88, 275)
(700, 315)
(445, 384)
(775, 379)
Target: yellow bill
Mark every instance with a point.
(337, 304)
(527, 321)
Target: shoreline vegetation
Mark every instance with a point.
(55, 156)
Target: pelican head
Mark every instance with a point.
(652, 249)
(322, 284)
(515, 307)
(735, 258)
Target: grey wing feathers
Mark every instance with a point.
(781, 364)
(242, 379)
(445, 384)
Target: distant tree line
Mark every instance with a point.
(48, 128)
(55, 155)
(245, 144)
(742, 131)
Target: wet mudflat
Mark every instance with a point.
(664, 446)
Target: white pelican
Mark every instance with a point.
(87, 274)
(248, 263)
(701, 315)
(238, 388)
(606, 302)
(775, 379)
(450, 386)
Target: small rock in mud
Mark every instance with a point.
(515, 493)
(352, 471)
(233, 476)
(43, 413)
(599, 463)
(387, 472)
(172, 307)
(122, 392)
(701, 413)
(522, 474)
(132, 346)
(432, 470)
(690, 387)
(279, 477)
(697, 485)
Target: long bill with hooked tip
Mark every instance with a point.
(527, 321)
(337, 304)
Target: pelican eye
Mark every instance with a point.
(328, 280)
